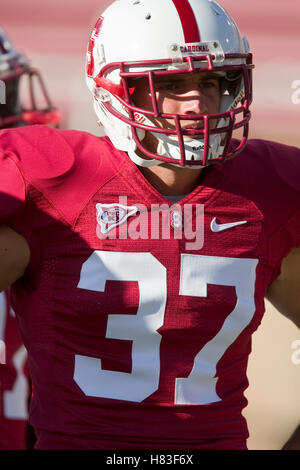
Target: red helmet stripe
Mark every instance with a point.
(90, 57)
(188, 21)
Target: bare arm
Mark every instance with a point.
(294, 441)
(284, 292)
(14, 256)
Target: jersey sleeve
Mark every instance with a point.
(53, 163)
(286, 204)
(12, 186)
(269, 175)
(293, 229)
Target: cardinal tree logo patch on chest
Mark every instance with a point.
(110, 216)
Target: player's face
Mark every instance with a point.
(185, 94)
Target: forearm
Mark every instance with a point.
(285, 296)
(284, 292)
(14, 256)
(294, 442)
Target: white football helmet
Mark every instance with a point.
(150, 38)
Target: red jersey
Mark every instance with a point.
(14, 387)
(138, 338)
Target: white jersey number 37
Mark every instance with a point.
(196, 273)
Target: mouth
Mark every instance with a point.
(197, 125)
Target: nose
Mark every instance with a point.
(194, 101)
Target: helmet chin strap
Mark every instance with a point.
(168, 146)
(194, 148)
(140, 161)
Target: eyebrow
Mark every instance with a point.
(204, 76)
(211, 75)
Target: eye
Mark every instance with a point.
(165, 86)
(209, 84)
(209, 87)
(171, 87)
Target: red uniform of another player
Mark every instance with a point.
(14, 390)
(141, 343)
(13, 384)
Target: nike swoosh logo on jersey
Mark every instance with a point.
(215, 227)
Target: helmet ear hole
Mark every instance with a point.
(232, 82)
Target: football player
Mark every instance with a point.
(14, 381)
(138, 337)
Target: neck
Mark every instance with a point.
(172, 180)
